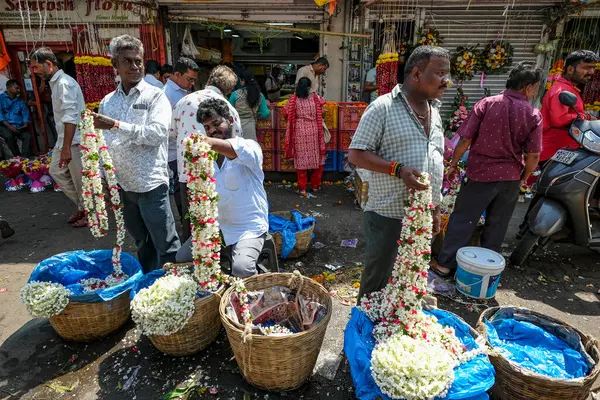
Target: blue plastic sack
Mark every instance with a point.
(146, 281)
(288, 228)
(472, 379)
(71, 267)
(536, 349)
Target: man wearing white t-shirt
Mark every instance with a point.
(243, 206)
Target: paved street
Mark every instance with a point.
(36, 364)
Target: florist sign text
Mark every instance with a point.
(105, 11)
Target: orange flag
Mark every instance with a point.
(4, 58)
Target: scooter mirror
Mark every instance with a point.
(567, 99)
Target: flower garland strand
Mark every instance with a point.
(405, 335)
(95, 150)
(45, 299)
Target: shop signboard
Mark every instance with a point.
(34, 12)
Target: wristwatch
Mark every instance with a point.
(115, 127)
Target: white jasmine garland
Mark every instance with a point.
(166, 306)
(45, 299)
(95, 149)
(415, 355)
(274, 330)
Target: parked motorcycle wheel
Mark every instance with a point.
(525, 247)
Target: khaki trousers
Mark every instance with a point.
(68, 178)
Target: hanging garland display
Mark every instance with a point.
(387, 73)
(591, 93)
(460, 111)
(96, 76)
(429, 37)
(496, 57)
(465, 63)
(555, 72)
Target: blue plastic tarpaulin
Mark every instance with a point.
(288, 229)
(536, 349)
(71, 267)
(472, 379)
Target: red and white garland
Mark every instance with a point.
(397, 312)
(199, 166)
(95, 151)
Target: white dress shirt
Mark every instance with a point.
(68, 104)
(139, 147)
(174, 93)
(308, 72)
(243, 206)
(185, 123)
(153, 81)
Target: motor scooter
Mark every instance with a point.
(559, 212)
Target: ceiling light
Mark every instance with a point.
(296, 36)
(228, 29)
(280, 23)
(235, 34)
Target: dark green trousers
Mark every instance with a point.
(381, 249)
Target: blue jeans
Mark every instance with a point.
(149, 219)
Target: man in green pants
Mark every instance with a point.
(400, 136)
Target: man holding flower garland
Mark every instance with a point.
(135, 119)
(399, 137)
(243, 206)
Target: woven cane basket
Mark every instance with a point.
(278, 363)
(202, 328)
(82, 322)
(516, 383)
(303, 238)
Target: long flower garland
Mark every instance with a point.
(397, 313)
(95, 150)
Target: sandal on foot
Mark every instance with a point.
(76, 217)
(81, 223)
(435, 267)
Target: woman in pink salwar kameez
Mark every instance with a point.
(304, 140)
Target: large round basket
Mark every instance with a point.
(201, 330)
(82, 322)
(516, 383)
(303, 238)
(284, 362)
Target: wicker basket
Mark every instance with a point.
(82, 322)
(516, 383)
(278, 363)
(303, 239)
(201, 330)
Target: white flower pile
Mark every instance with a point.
(274, 330)
(166, 306)
(95, 149)
(414, 356)
(45, 299)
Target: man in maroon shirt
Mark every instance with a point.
(499, 130)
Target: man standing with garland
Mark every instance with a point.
(135, 119)
(399, 137)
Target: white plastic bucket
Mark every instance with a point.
(478, 272)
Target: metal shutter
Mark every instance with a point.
(522, 27)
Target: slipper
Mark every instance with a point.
(81, 223)
(434, 266)
(76, 217)
(5, 229)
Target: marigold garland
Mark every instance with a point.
(96, 77)
(496, 57)
(387, 73)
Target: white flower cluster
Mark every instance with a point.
(166, 306)
(199, 165)
(415, 355)
(407, 368)
(45, 299)
(95, 149)
(274, 330)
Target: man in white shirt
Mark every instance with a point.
(272, 85)
(135, 119)
(184, 77)
(313, 72)
(68, 104)
(153, 74)
(370, 85)
(220, 83)
(243, 206)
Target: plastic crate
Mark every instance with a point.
(343, 165)
(268, 123)
(267, 139)
(280, 133)
(345, 138)
(284, 164)
(350, 114)
(333, 143)
(280, 118)
(269, 160)
(330, 115)
(331, 162)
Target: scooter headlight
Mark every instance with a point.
(591, 142)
